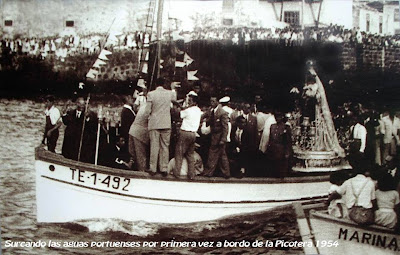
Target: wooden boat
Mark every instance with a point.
(327, 234)
(68, 190)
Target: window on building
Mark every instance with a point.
(8, 23)
(380, 24)
(69, 23)
(227, 22)
(368, 19)
(228, 5)
(397, 31)
(293, 18)
(396, 14)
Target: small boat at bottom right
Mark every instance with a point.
(331, 235)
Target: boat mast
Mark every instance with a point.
(159, 34)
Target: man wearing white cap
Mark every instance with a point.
(224, 102)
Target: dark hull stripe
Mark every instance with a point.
(189, 201)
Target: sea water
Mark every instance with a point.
(21, 130)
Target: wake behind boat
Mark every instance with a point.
(68, 190)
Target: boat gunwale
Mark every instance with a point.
(347, 222)
(44, 155)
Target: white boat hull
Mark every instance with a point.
(67, 191)
(351, 238)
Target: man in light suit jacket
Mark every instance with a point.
(391, 137)
(218, 122)
(158, 108)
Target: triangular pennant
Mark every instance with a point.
(187, 59)
(81, 84)
(161, 61)
(191, 75)
(179, 64)
(102, 56)
(98, 63)
(106, 52)
(91, 74)
(294, 90)
(145, 68)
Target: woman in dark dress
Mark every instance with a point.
(280, 151)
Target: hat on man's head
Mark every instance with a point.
(225, 99)
(141, 83)
(192, 93)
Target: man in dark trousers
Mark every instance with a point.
(73, 120)
(239, 151)
(252, 133)
(53, 123)
(218, 123)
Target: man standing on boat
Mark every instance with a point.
(73, 120)
(158, 107)
(185, 145)
(218, 122)
(53, 123)
(127, 118)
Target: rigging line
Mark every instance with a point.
(88, 97)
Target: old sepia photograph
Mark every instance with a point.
(199, 127)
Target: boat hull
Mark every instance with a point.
(351, 238)
(67, 191)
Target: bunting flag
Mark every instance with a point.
(187, 59)
(294, 90)
(92, 73)
(98, 63)
(179, 64)
(176, 84)
(103, 54)
(81, 84)
(161, 61)
(191, 76)
(145, 68)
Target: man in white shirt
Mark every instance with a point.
(358, 138)
(357, 191)
(53, 123)
(391, 139)
(187, 137)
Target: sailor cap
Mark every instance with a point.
(225, 99)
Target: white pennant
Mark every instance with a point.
(98, 63)
(106, 52)
(187, 59)
(145, 67)
(102, 56)
(179, 64)
(91, 74)
(191, 75)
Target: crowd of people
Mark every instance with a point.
(290, 36)
(60, 47)
(371, 194)
(205, 135)
(198, 135)
(211, 135)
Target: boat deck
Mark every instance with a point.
(42, 154)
